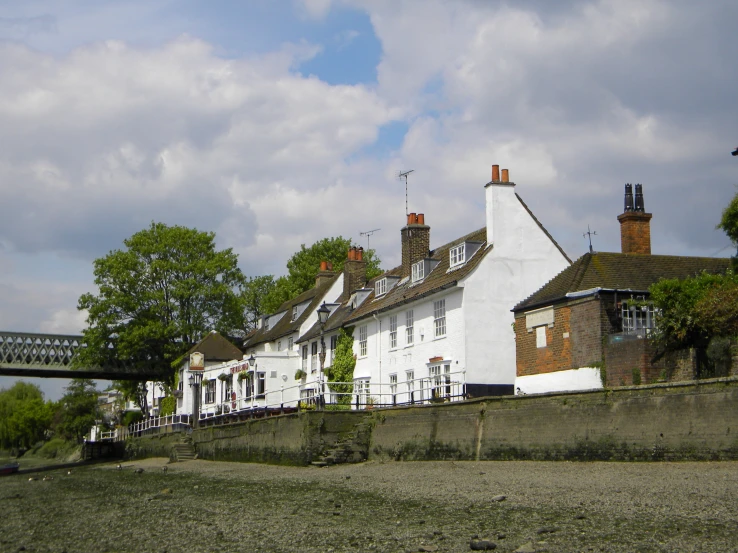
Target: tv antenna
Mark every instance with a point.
(404, 174)
(590, 234)
(368, 233)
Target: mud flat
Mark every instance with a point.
(424, 506)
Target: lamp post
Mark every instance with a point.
(194, 381)
(323, 314)
(252, 368)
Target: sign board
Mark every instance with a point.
(197, 361)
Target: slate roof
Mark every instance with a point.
(285, 326)
(620, 271)
(440, 278)
(216, 348)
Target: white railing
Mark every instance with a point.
(156, 425)
(434, 389)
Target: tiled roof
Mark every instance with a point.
(216, 348)
(620, 271)
(286, 326)
(438, 279)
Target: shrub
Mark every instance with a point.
(56, 447)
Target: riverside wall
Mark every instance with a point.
(673, 421)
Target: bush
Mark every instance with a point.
(56, 447)
(129, 417)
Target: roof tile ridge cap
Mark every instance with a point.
(543, 228)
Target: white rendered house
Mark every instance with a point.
(440, 325)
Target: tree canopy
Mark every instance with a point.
(304, 265)
(158, 296)
(24, 415)
(729, 221)
(77, 410)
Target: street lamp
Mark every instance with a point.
(252, 368)
(323, 314)
(194, 381)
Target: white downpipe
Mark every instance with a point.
(379, 351)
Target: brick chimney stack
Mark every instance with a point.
(415, 241)
(325, 273)
(635, 223)
(354, 271)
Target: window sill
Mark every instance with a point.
(408, 346)
(439, 337)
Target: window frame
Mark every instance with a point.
(380, 287)
(363, 335)
(457, 255)
(418, 271)
(409, 327)
(439, 318)
(393, 332)
(294, 313)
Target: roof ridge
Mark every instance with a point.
(542, 227)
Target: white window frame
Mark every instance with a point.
(304, 357)
(362, 341)
(393, 331)
(294, 313)
(440, 376)
(290, 343)
(457, 255)
(636, 318)
(393, 384)
(439, 318)
(332, 350)
(418, 271)
(266, 324)
(209, 390)
(409, 327)
(313, 357)
(279, 345)
(361, 385)
(380, 287)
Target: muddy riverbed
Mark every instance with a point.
(203, 506)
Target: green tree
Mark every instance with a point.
(304, 265)
(157, 297)
(255, 292)
(342, 369)
(78, 409)
(729, 223)
(24, 415)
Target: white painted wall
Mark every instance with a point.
(381, 360)
(586, 378)
(522, 259)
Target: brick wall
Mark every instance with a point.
(556, 356)
(586, 332)
(635, 232)
(354, 276)
(415, 245)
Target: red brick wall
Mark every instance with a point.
(556, 356)
(415, 245)
(586, 332)
(635, 232)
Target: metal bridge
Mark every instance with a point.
(50, 356)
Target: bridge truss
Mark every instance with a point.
(51, 355)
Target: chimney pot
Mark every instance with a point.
(495, 173)
(360, 254)
(330, 265)
(351, 254)
(411, 218)
(505, 175)
(635, 224)
(323, 265)
(421, 218)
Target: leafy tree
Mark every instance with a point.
(304, 265)
(157, 297)
(255, 292)
(78, 409)
(729, 222)
(342, 369)
(24, 415)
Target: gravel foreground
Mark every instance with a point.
(204, 506)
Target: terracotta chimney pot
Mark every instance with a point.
(323, 265)
(495, 173)
(360, 254)
(421, 218)
(505, 175)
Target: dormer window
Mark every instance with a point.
(294, 313)
(418, 271)
(457, 255)
(380, 287)
(266, 323)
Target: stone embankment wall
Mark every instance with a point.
(675, 421)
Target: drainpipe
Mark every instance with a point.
(379, 352)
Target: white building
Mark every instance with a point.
(440, 325)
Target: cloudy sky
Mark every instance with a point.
(277, 123)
